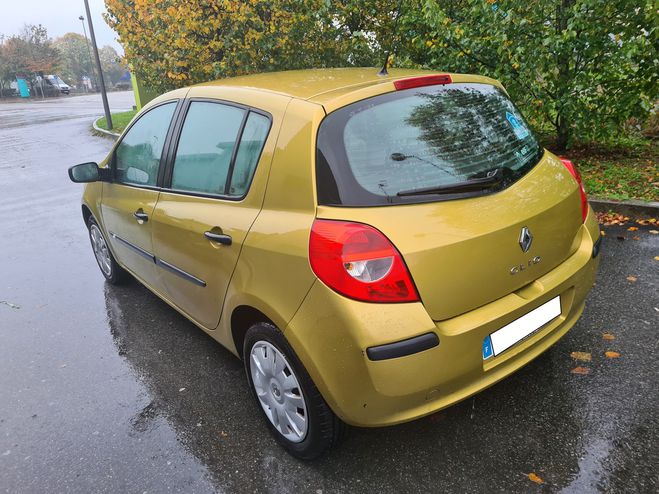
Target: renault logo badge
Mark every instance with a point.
(525, 239)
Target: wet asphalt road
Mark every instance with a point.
(107, 389)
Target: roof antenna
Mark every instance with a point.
(383, 71)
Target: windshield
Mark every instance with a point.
(421, 139)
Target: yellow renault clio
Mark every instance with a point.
(375, 248)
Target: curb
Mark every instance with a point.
(106, 133)
(626, 208)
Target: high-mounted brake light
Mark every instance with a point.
(358, 261)
(424, 80)
(584, 200)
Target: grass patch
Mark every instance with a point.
(119, 121)
(620, 179)
(619, 173)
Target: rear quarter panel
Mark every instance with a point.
(273, 273)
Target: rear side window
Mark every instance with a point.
(251, 144)
(137, 157)
(205, 148)
(218, 150)
(423, 138)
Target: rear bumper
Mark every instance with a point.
(332, 336)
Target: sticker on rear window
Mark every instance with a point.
(518, 127)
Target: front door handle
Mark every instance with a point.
(141, 216)
(218, 237)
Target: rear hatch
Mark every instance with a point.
(454, 178)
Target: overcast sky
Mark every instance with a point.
(58, 16)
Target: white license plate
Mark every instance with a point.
(504, 338)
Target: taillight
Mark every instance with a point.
(584, 200)
(424, 80)
(359, 262)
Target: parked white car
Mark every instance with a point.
(56, 81)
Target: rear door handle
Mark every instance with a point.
(218, 237)
(141, 216)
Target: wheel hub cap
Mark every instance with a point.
(278, 391)
(100, 250)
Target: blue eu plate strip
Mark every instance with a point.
(487, 348)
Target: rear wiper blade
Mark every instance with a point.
(493, 178)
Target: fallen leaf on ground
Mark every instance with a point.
(223, 434)
(654, 232)
(584, 356)
(656, 258)
(632, 228)
(636, 238)
(611, 219)
(535, 478)
(602, 233)
(612, 354)
(608, 336)
(632, 279)
(580, 370)
(181, 390)
(620, 237)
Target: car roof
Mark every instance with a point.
(329, 88)
(315, 85)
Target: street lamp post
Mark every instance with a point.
(106, 106)
(89, 50)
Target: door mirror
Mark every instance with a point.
(86, 172)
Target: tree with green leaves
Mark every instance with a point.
(579, 68)
(4, 66)
(76, 61)
(111, 63)
(583, 67)
(31, 52)
(171, 44)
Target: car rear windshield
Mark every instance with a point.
(422, 144)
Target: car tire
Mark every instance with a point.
(289, 399)
(109, 267)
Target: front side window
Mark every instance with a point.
(423, 144)
(137, 157)
(206, 147)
